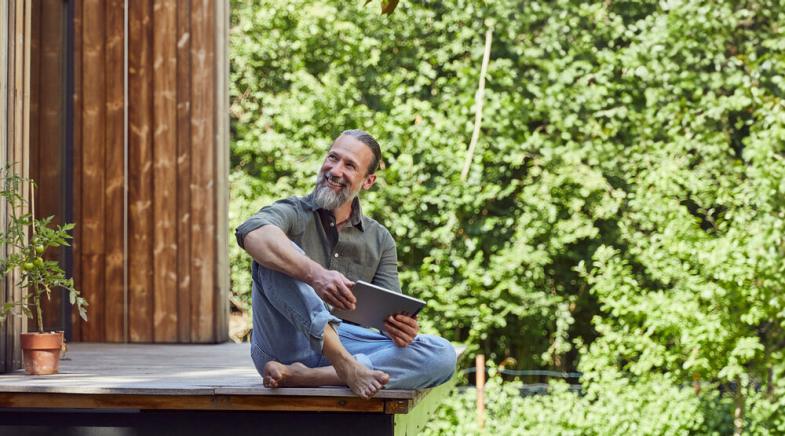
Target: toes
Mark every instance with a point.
(382, 377)
(364, 391)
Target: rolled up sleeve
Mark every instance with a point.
(282, 214)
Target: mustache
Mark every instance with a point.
(335, 179)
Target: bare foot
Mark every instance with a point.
(277, 375)
(361, 380)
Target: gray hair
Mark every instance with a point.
(370, 141)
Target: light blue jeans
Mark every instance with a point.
(288, 326)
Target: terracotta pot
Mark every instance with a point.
(41, 352)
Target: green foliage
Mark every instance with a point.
(26, 239)
(613, 406)
(624, 210)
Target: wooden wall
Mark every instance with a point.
(48, 129)
(15, 23)
(151, 169)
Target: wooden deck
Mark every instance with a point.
(193, 378)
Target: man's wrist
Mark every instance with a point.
(312, 271)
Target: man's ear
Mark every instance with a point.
(369, 181)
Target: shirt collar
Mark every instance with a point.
(355, 218)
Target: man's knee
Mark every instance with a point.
(441, 358)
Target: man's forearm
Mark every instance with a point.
(271, 248)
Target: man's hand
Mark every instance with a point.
(335, 289)
(401, 328)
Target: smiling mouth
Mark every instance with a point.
(334, 184)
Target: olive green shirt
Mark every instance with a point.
(362, 250)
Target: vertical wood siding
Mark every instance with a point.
(114, 292)
(183, 170)
(76, 193)
(173, 270)
(140, 166)
(92, 216)
(175, 261)
(15, 74)
(202, 167)
(47, 128)
(177, 280)
(165, 170)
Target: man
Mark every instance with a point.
(308, 251)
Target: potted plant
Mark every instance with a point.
(27, 239)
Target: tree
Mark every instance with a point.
(624, 212)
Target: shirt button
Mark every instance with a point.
(332, 224)
(336, 254)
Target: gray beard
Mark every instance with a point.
(326, 198)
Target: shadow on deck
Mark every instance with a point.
(129, 389)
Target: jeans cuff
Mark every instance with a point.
(318, 324)
(364, 360)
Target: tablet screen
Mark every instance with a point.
(375, 304)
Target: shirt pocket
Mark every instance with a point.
(358, 271)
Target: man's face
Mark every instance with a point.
(343, 173)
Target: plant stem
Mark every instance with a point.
(37, 295)
(37, 302)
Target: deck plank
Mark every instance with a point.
(221, 371)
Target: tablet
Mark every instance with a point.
(375, 304)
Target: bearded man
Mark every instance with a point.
(308, 252)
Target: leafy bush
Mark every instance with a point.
(612, 406)
(624, 210)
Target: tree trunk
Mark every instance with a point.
(738, 412)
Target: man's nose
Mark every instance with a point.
(338, 170)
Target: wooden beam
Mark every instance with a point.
(15, 38)
(48, 108)
(35, 70)
(184, 171)
(114, 223)
(94, 167)
(24, 36)
(6, 329)
(203, 171)
(222, 171)
(76, 172)
(140, 169)
(21, 125)
(480, 385)
(165, 170)
(188, 402)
